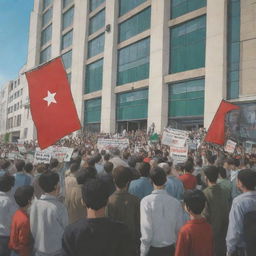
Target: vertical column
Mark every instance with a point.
(56, 28)
(216, 60)
(159, 61)
(78, 54)
(108, 102)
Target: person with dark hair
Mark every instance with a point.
(106, 157)
(107, 177)
(7, 209)
(29, 170)
(4, 165)
(116, 159)
(196, 236)
(229, 165)
(124, 207)
(98, 164)
(21, 178)
(141, 187)
(20, 240)
(41, 168)
(96, 234)
(48, 217)
(223, 181)
(161, 217)
(188, 179)
(217, 208)
(241, 206)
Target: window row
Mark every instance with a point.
(13, 122)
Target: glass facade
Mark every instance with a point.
(93, 75)
(67, 59)
(96, 46)
(181, 7)
(132, 105)
(46, 3)
(95, 3)
(187, 49)
(135, 25)
(67, 40)
(186, 98)
(46, 35)
(127, 5)
(133, 62)
(92, 111)
(97, 22)
(65, 3)
(67, 19)
(233, 49)
(45, 55)
(47, 16)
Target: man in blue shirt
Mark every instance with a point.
(4, 165)
(21, 178)
(242, 204)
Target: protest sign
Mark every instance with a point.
(112, 143)
(43, 156)
(179, 155)
(173, 137)
(21, 148)
(230, 146)
(250, 147)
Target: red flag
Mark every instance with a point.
(52, 107)
(216, 131)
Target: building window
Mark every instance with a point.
(66, 3)
(133, 62)
(46, 35)
(135, 25)
(181, 7)
(68, 17)
(92, 111)
(95, 4)
(233, 49)
(45, 55)
(132, 105)
(97, 22)
(67, 59)
(67, 40)
(94, 74)
(47, 16)
(18, 120)
(46, 3)
(186, 99)
(126, 6)
(187, 49)
(96, 46)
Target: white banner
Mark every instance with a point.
(179, 155)
(175, 138)
(112, 143)
(43, 156)
(21, 148)
(230, 146)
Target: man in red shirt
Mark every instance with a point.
(196, 236)
(20, 238)
(188, 179)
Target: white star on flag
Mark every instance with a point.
(50, 98)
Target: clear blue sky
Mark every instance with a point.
(14, 31)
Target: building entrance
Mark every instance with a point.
(132, 125)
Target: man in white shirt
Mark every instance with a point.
(161, 218)
(116, 160)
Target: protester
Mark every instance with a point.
(189, 181)
(48, 217)
(41, 168)
(116, 160)
(4, 165)
(29, 170)
(161, 217)
(20, 239)
(196, 236)
(107, 177)
(21, 178)
(96, 235)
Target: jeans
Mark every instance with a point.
(4, 250)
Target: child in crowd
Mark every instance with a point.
(20, 239)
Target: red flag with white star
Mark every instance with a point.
(51, 103)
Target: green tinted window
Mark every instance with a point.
(94, 73)
(67, 59)
(187, 49)
(180, 7)
(133, 62)
(68, 17)
(95, 3)
(67, 40)
(135, 25)
(96, 46)
(132, 105)
(92, 112)
(46, 3)
(127, 5)
(46, 35)
(45, 55)
(97, 22)
(186, 98)
(47, 16)
(233, 49)
(66, 3)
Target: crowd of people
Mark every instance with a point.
(135, 201)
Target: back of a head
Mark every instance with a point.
(158, 176)
(211, 173)
(23, 195)
(236, 162)
(6, 182)
(85, 174)
(74, 167)
(121, 176)
(211, 159)
(132, 161)
(4, 164)
(41, 168)
(108, 167)
(115, 152)
(48, 181)
(222, 172)
(106, 157)
(91, 161)
(97, 158)
(248, 178)
(165, 167)
(53, 163)
(126, 155)
(195, 201)
(19, 164)
(144, 169)
(28, 167)
(95, 194)
(188, 167)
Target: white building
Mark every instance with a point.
(3, 110)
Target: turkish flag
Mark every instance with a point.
(216, 131)
(51, 103)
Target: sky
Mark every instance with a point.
(14, 33)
